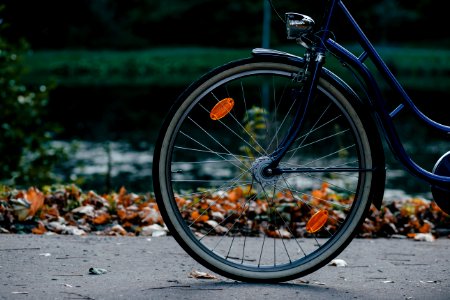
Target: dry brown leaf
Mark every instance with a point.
(201, 275)
(52, 212)
(279, 233)
(36, 199)
(40, 229)
(21, 208)
(123, 197)
(121, 213)
(119, 229)
(101, 219)
(426, 227)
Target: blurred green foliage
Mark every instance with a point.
(417, 68)
(26, 156)
(157, 67)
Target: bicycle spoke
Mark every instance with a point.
(230, 211)
(318, 141)
(242, 127)
(214, 152)
(232, 131)
(220, 154)
(282, 123)
(284, 221)
(313, 128)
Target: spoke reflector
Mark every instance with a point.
(221, 109)
(317, 221)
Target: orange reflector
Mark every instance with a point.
(317, 221)
(221, 109)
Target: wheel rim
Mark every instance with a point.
(218, 201)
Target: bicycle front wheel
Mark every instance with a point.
(232, 218)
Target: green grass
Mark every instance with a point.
(424, 69)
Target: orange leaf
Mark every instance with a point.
(235, 194)
(121, 214)
(204, 218)
(318, 194)
(40, 229)
(123, 198)
(36, 199)
(127, 225)
(194, 215)
(101, 219)
(180, 201)
(53, 211)
(426, 228)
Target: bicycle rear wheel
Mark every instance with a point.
(217, 204)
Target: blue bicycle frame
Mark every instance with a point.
(383, 116)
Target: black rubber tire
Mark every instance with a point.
(361, 126)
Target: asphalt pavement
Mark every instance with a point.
(57, 267)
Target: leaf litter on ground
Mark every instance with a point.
(66, 209)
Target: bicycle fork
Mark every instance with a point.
(314, 61)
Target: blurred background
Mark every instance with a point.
(84, 84)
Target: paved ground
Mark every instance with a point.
(56, 267)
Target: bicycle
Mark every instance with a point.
(265, 167)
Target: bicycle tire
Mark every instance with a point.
(203, 168)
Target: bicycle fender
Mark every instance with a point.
(364, 111)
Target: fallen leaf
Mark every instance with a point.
(87, 210)
(40, 229)
(279, 234)
(73, 230)
(302, 281)
(36, 198)
(101, 219)
(119, 229)
(235, 194)
(21, 208)
(159, 233)
(154, 230)
(97, 271)
(338, 263)
(426, 227)
(201, 275)
(424, 237)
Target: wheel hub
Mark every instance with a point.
(261, 173)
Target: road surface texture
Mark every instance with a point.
(57, 267)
